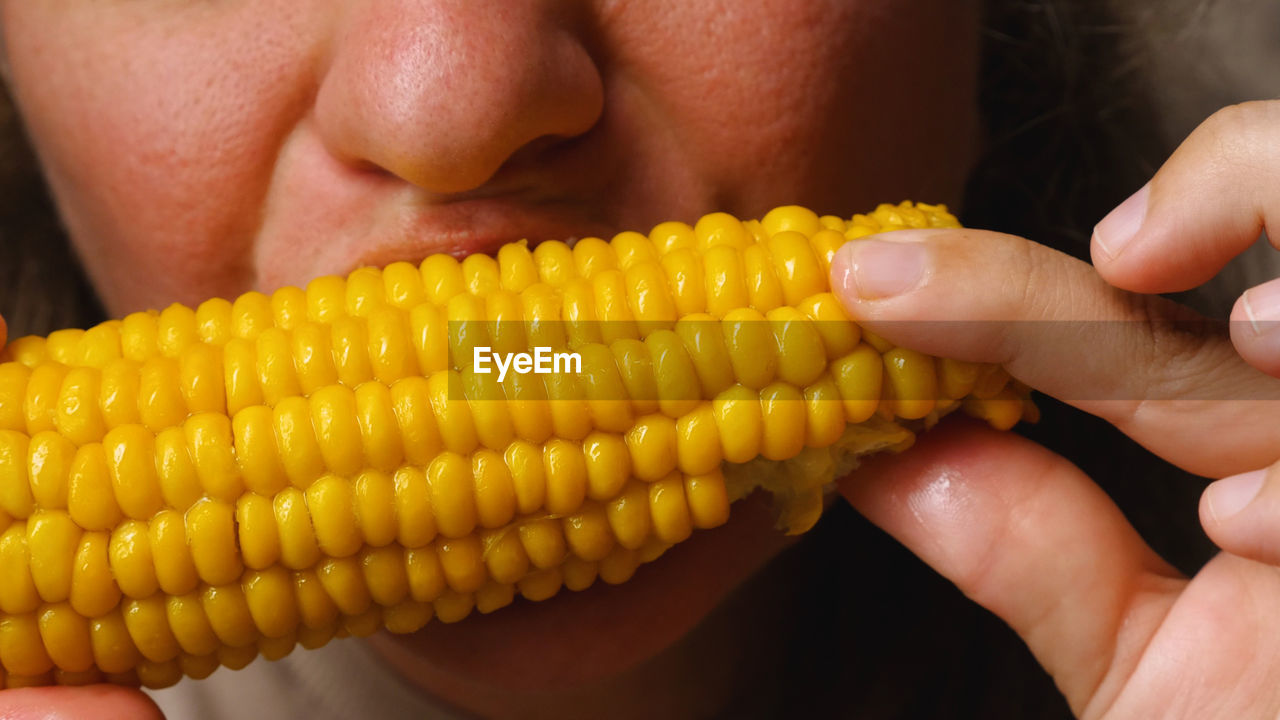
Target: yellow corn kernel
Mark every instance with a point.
(257, 534)
(132, 562)
(708, 499)
(49, 459)
(14, 377)
(94, 591)
(565, 470)
(41, 402)
(587, 533)
(505, 557)
(18, 594)
(229, 615)
(191, 625)
(113, 649)
(189, 488)
(791, 219)
(65, 634)
(211, 533)
(652, 443)
(160, 401)
(289, 307)
(425, 573)
(78, 416)
(672, 522)
(739, 420)
(130, 454)
(452, 606)
(315, 608)
(543, 542)
(250, 315)
(913, 381)
(331, 501)
(175, 567)
(91, 500)
(579, 574)
(270, 597)
(494, 596)
(52, 540)
(299, 548)
(608, 465)
(629, 516)
(619, 565)
(179, 481)
(462, 560)
(541, 584)
(385, 574)
(22, 650)
(375, 507)
(449, 486)
(147, 621)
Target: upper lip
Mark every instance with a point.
(476, 224)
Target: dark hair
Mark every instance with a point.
(42, 287)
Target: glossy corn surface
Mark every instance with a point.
(192, 488)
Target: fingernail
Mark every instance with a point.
(1122, 224)
(878, 269)
(1262, 306)
(1230, 495)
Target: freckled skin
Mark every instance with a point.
(200, 149)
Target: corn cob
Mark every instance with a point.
(193, 488)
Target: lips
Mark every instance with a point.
(576, 638)
(473, 226)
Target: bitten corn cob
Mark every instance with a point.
(195, 487)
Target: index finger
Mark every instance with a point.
(1209, 202)
(1156, 370)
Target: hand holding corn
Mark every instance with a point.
(1122, 633)
(196, 487)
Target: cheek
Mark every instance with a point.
(158, 130)
(837, 104)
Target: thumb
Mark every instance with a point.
(1025, 534)
(1240, 514)
(91, 702)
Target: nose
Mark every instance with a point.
(442, 93)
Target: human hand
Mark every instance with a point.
(1210, 202)
(91, 702)
(1022, 531)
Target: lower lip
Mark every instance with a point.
(573, 638)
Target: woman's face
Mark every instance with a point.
(200, 149)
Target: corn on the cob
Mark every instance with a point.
(195, 487)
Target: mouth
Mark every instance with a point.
(476, 226)
(577, 638)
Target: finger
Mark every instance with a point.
(1207, 204)
(1025, 534)
(91, 702)
(1241, 514)
(1255, 327)
(1153, 368)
